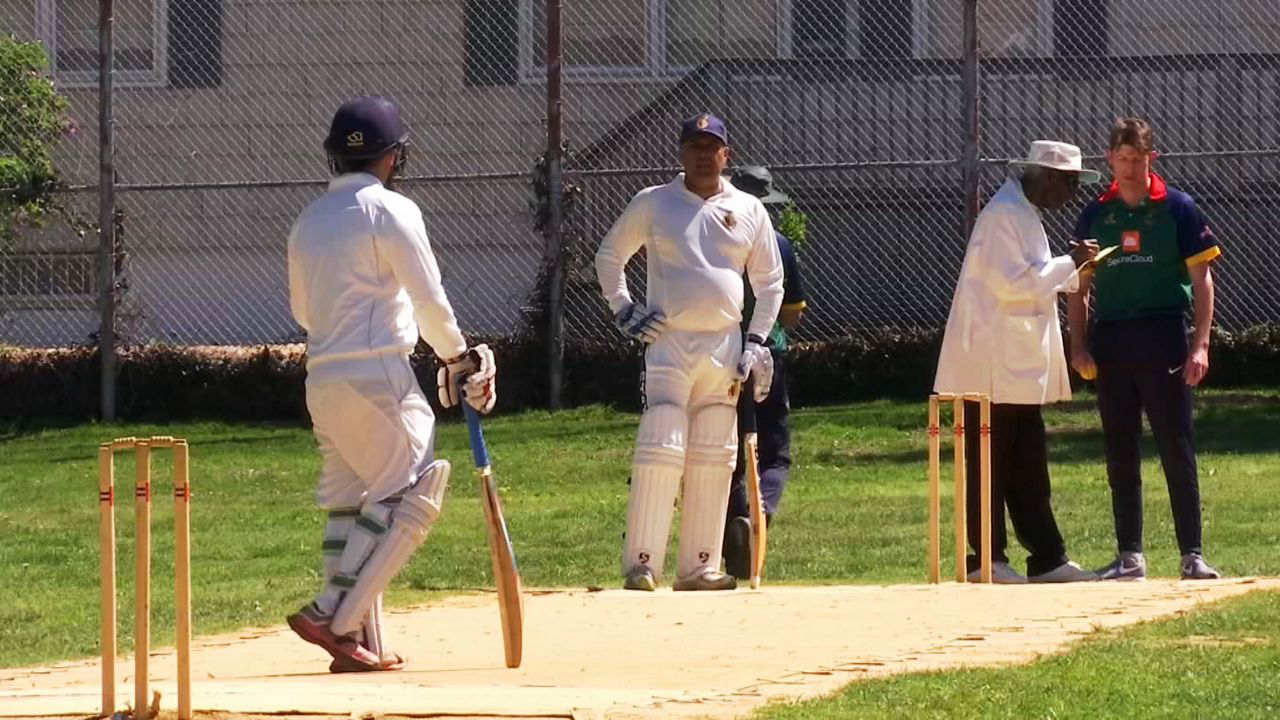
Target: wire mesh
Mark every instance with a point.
(856, 105)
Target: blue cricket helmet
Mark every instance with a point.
(365, 127)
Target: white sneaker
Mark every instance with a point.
(1002, 573)
(1065, 573)
(1128, 566)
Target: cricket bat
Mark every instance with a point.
(506, 573)
(755, 500)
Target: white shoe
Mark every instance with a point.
(1065, 573)
(1002, 573)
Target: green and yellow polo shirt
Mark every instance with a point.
(1158, 241)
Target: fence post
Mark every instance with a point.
(106, 212)
(555, 182)
(972, 121)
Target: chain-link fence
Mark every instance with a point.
(858, 106)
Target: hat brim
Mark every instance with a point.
(776, 197)
(698, 133)
(1087, 176)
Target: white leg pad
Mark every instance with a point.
(655, 481)
(713, 448)
(410, 522)
(371, 628)
(336, 531)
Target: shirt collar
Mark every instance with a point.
(1159, 190)
(1016, 187)
(353, 180)
(679, 183)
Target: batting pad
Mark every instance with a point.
(336, 530)
(655, 480)
(409, 524)
(364, 536)
(713, 449)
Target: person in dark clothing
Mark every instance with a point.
(1138, 347)
(772, 424)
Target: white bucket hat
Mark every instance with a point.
(1058, 156)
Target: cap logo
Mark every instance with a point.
(355, 139)
(703, 122)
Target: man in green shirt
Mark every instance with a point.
(1138, 347)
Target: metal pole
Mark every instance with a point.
(555, 180)
(972, 120)
(106, 212)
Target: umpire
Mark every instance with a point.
(774, 432)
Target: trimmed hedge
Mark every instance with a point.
(266, 382)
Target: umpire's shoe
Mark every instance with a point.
(706, 580)
(737, 547)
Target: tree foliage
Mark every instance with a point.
(33, 116)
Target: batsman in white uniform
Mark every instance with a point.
(700, 235)
(364, 284)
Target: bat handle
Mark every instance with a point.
(479, 449)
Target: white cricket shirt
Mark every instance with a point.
(362, 278)
(696, 252)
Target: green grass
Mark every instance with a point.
(854, 512)
(1219, 662)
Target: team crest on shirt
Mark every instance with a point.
(729, 220)
(1111, 220)
(1131, 241)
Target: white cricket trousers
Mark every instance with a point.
(374, 426)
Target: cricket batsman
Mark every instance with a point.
(700, 234)
(364, 284)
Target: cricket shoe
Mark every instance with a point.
(313, 627)
(640, 578)
(1002, 573)
(1195, 568)
(1130, 566)
(1065, 573)
(706, 580)
(737, 548)
(389, 661)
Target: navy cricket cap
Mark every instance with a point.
(703, 124)
(365, 127)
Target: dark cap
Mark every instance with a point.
(758, 181)
(365, 127)
(703, 124)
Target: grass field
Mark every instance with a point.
(854, 513)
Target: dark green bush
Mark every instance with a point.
(266, 382)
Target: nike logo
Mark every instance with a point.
(1174, 370)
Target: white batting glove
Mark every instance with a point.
(474, 374)
(756, 361)
(640, 323)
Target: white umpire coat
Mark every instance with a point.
(1003, 335)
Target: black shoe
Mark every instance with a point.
(737, 548)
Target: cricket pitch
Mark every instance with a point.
(630, 655)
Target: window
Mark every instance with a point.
(156, 42)
(613, 38)
(1081, 28)
(887, 29)
(48, 275)
(69, 29)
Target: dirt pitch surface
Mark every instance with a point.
(619, 654)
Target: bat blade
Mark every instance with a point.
(759, 524)
(506, 572)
